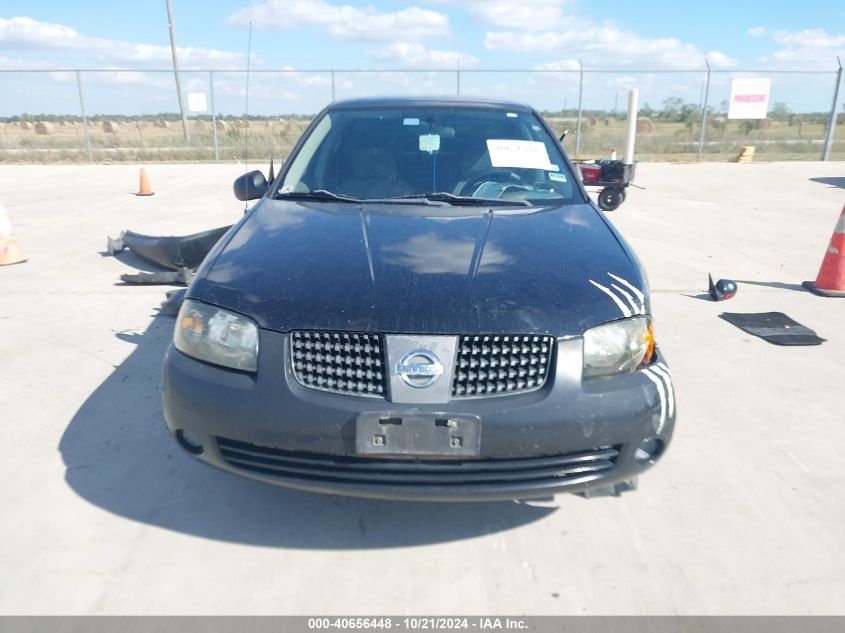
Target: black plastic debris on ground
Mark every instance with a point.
(174, 252)
(170, 306)
(774, 327)
(180, 254)
(183, 276)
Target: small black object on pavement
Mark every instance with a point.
(722, 289)
(774, 327)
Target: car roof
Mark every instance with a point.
(429, 101)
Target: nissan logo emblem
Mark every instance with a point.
(419, 368)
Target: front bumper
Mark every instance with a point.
(569, 436)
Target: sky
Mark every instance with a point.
(382, 36)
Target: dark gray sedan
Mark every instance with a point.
(423, 304)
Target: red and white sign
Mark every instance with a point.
(749, 98)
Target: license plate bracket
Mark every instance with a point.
(424, 434)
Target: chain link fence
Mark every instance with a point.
(107, 116)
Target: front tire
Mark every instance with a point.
(610, 198)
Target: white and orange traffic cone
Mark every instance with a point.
(10, 252)
(144, 186)
(830, 281)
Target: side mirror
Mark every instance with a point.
(251, 186)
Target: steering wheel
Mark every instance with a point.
(494, 175)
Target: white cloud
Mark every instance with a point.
(344, 21)
(564, 70)
(814, 48)
(17, 63)
(608, 46)
(625, 83)
(415, 55)
(609, 90)
(563, 64)
(550, 26)
(188, 55)
(718, 59)
(24, 32)
(29, 34)
(395, 82)
(756, 31)
(524, 15)
(279, 86)
(304, 79)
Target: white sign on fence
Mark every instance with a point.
(197, 102)
(749, 98)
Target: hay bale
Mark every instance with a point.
(764, 124)
(241, 124)
(746, 154)
(221, 126)
(44, 128)
(200, 126)
(592, 121)
(610, 122)
(25, 125)
(161, 123)
(644, 126)
(110, 126)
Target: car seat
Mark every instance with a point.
(371, 173)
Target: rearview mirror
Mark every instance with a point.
(251, 186)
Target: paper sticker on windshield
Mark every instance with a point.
(430, 142)
(553, 167)
(411, 122)
(509, 153)
(557, 177)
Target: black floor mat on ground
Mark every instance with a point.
(774, 327)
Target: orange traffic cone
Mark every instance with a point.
(830, 281)
(144, 188)
(10, 252)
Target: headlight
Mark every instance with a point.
(216, 336)
(617, 348)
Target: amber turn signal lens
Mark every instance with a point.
(192, 323)
(649, 340)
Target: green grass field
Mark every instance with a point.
(142, 141)
(675, 142)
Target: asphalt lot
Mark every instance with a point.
(103, 514)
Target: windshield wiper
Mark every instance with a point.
(436, 196)
(444, 196)
(318, 194)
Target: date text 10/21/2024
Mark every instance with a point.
(418, 623)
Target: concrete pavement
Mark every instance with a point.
(103, 513)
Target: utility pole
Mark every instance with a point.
(178, 77)
(580, 98)
(831, 125)
(704, 113)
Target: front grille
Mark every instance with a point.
(465, 474)
(489, 365)
(340, 362)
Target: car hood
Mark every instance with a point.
(423, 269)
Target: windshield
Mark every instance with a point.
(468, 154)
